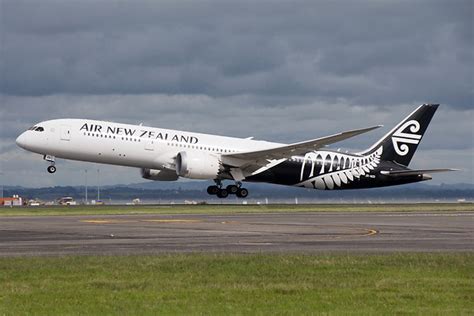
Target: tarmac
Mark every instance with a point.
(298, 232)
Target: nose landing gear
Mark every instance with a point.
(230, 189)
(52, 168)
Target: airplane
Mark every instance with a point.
(166, 155)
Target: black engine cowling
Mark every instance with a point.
(159, 175)
(197, 165)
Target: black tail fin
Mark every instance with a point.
(400, 143)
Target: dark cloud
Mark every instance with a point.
(370, 52)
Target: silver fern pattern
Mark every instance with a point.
(341, 168)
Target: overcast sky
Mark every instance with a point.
(280, 71)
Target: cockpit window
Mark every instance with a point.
(36, 129)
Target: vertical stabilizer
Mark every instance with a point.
(401, 142)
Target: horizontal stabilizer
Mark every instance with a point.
(401, 173)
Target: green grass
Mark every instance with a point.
(223, 209)
(238, 284)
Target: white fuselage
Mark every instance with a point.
(126, 145)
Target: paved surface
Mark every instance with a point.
(289, 232)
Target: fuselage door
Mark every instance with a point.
(65, 132)
(150, 145)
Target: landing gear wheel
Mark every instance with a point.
(242, 193)
(222, 193)
(51, 169)
(212, 189)
(232, 189)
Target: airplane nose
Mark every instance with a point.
(21, 140)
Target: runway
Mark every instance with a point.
(299, 232)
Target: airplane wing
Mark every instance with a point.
(401, 173)
(286, 151)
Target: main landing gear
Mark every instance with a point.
(51, 168)
(230, 189)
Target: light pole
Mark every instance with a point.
(98, 185)
(86, 188)
(1, 184)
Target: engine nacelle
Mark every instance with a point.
(159, 175)
(197, 165)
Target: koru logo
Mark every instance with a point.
(406, 137)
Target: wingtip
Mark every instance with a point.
(445, 170)
(363, 130)
(374, 127)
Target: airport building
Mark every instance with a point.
(11, 201)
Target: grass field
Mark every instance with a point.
(262, 284)
(238, 284)
(223, 209)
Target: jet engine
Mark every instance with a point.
(197, 165)
(159, 175)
